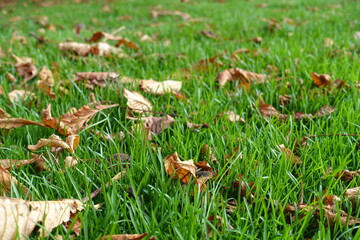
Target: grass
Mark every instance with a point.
(147, 199)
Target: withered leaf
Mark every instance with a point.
(182, 170)
(209, 34)
(284, 99)
(159, 124)
(20, 216)
(83, 49)
(208, 152)
(11, 78)
(347, 175)
(290, 156)
(120, 40)
(72, 122)
(197, 125)
(70, 145)
(18, 95)
(137, 102)
(353, 192)
(126, 237)
(8, 123)
(231, 116)
(269, 111)
(159, 88)
(25, 68)
(4, 114)
(8, 164)
(321, 80)
(6, 181)
(156, 14)
(46, 81)
(237, 74)
(96, 78)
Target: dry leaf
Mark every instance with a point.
(72, 122)
(156, 14)
(83, 49)
(196, 126)
(11, 78)
(209, 34)
(25, 68)
(46, 82)
(55, 141)
(21, 217)
(8, 164)
(208, 153)
(6, 181)
(290, 156)
(328, 42)
(120, 40)
(15, 37)
(182, 170)
(235, 74)
(159, 88)
(353, 192)
(96, 78)
(284, 99)
(321, 80)
(269, 111)
(203, 177)
(8, 123)
(231, 116)
(126, 237)
(137, 102)
(357, 35)
(3, 114)
(70, 161)
(347, 175)
(19, 95)
(159, 124)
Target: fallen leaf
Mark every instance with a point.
(196, 126)
(55, 141)
(126, 237)
(321, 80)
(15, 37)
(11, 78)
(257, 39)
(233, 154)
(3, 114)
(137, 102)
(70, 161)
(93, 79)
(347, 175)
(8, 123)
(235, 74)
(8, 164)
(289, 155)
(72, 122)
(208, 152)
(120, 40)
(357, 35)
(159, 13)
(353, 192)
(19, 95)
(46, 82)
(21, 217)
(25, 68)
(159, 124)
(182, 170)
(83, 49)
(6, 181)
(284, 99)
(269, 111)
(159, 88)
(231, 116)
(203, 177)
(209, 34)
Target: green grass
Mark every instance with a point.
(149, 200)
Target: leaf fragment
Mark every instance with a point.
(19, 95)
(93, 79)
(8, 164)
(70, 145)
(84, 49)
(290, 156)
(126, 237)
(159, 88)
(8, 123)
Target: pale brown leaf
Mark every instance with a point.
(8, 123)
(46, 82)
(237, 74)
(208, 152)
(25, 68)
(55, 141)
(19, 95)
(289, 155)
(126, 237)
(83, 49)
(72, 122)
(231, 116)
(11, 78)
(137, 102)
(269, 111)
(284, 99)
(4, 114)
(182, 170)
(6, 181)
(159, 124)
(321, 80)
(159, 13)
(20, 217)
(353, 192)
(347, 175)
(159, 88)
(8, 164)
(93, 79)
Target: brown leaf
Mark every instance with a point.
(233, 154)
(182, 170)
(3, 114)
(196, 126)
(231, 116)
(284, 99)
(127, 43)
(55, 141)
(126, 237)
(8, 164)
(11, 78)
(321, 80)
(203, 165)
(70, 161)
(209, 34)
(72, 122)
(159, 88)
(203, 177)
(83, 49)
(159, 124)
(237, 74)
(46, 82)
(269, 111)
(18, 95)
(8, 123)
(6, 181)
(21, 217)
(25, 68)
(120, 40)
(290, 156)
(137, 102)
(159, 13)
(347, 175)
(324, 111)
(93, 79)
(208, 153)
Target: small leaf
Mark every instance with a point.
(182, 170)
(159, 88)
(137, 102)
(25, 68)
(237, 74)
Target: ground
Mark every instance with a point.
(297, 38)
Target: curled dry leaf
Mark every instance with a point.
(25, 68)
(353, 192)
(8, 164)
(290, 156)
(81, 49)
(231, 116)
(74, 121)
(55, 141)
(126, 237)
(93, 79)
(203, 177)
(159, 88)
(46, 81)
(137, 102)
(321, 80)
(8, 123)
(6, 181)
(21, 217)
(182, 170)
(347, 175)
(237, 74)
(3, 114)
(18, 95)
(156, 14)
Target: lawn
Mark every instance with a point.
(257, 190)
